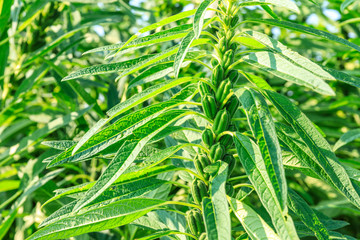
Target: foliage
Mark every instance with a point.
(180, 120)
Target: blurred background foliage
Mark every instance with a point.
(42, 41)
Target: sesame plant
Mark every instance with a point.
(203, 147)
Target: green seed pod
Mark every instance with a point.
(209, 106)
(199, 221)
(218, 75)
(217, 151)
(203, 237)
(230, 160)
(204, 89)
(229, 189)
(202, 189)
(233, 76)
(232, 105)
(223, 91)
(191, 222)
(204, 160)
(226, 141)
(214, 62)
(208, 137)
(234, 21)
(227, 20)
(222, 44)
(228, 58)
(195, 191)
(198, 165)
(221, 122)
(233, 46)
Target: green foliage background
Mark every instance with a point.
(41, 42)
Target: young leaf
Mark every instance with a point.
(307, 215)
(281, 67)
(254, 225)
(347, 137)
(288, 4)
(317, 145)
(250, 157)
(307, 30)
(263, 128)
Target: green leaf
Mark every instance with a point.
(306, 30)
(288, 4)
(128, 152)
(125, 178)
(318, 147)
(180, 55)
(307, 215)
(347, 137)
(209, 219)
(115, 193)
(61, 145)
(303, 62)
(254, 225)
(161, 23)
(106, 217)
(256, 81)
(159, 37)
(220, 205)
(263, 129)
(250, 157)
(160, 234)
(126, 66)
(199, 17)
(120, 130)
(281, 67)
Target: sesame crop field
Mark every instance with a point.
(179, 119)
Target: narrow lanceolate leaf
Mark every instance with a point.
(303, 62)
(106, 217)
(208, 211)
(114, 193)
(254, 225)
(161, 23)
(307, 215)
(220, 206)
(180, 55)
(307, 30)
(345, 4)
(122, 128)
(318, 146)
(263, 129)
(288, 4)
(125, 178)
(162, 36)
(250, 157)
(279, 66)
(199, 17)
(347, 137)
(129, 65)
(134, 101)
(128, 152)
(255, 80)
(61, 144)
(153, 73)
